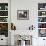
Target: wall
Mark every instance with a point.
(24, 5)
(32, 6)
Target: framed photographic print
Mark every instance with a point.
(22, 14)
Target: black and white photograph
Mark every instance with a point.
(22, 14)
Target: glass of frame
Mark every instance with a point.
(22, 14)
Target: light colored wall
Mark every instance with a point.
(32, 6)
(24, 5)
